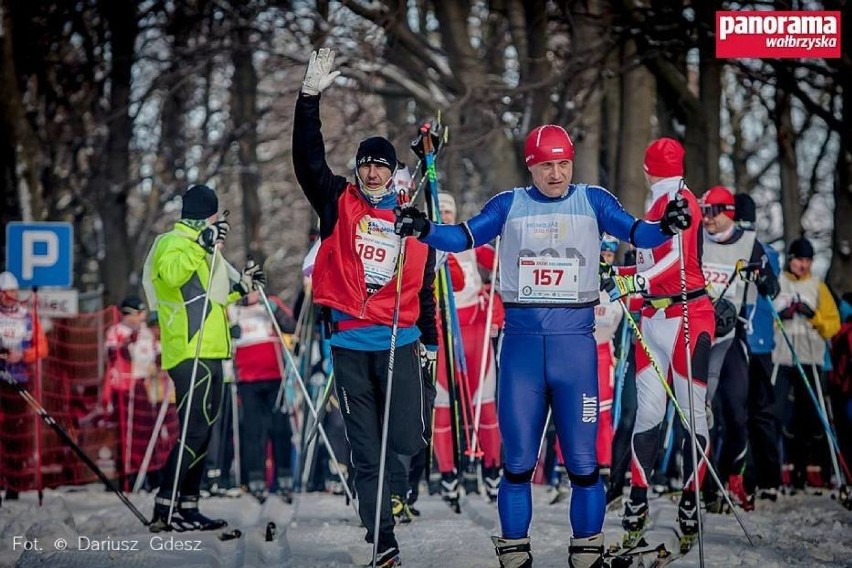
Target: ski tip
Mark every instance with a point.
(230, 535)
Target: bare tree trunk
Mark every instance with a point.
(587, 134)
(478, 136)
(611, 119)
(244, 113)
(639, 100)
(791, 204)
(710, 99)
(841, 259)
(110, 183)
(19, 150)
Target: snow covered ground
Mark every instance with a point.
(319, 530)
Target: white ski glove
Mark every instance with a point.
(319, 74)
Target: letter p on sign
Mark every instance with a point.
(40, 254)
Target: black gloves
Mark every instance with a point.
(411, 222)
(252, 278)
(676, 217)
(768, 286)
(214, 234)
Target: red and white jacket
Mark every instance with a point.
(661, 266)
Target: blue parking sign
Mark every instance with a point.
(40, 254)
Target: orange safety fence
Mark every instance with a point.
(69, 383)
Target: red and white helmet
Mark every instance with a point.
(548, 143)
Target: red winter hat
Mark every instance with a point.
(721, 196)
(664, 158)
(548, 143)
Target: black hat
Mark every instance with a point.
(376, 150)
(132, 305)
(199, 202)
(744, 208)
(801, 248)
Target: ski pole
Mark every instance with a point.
(152, 441)
(235, 435)
(620, 374)
(185, 425)
(798, 364)
(383, 454)
(686, 339)
(63, 435)
(292, 362)
(829, 415)
(629, 319)
(486, 351)
(329, 388)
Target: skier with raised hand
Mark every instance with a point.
(549, 283)
(354, 278)
(178, 283)
(656, 276)
(731, 259)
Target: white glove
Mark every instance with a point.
(319, 74)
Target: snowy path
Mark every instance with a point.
(319, 530)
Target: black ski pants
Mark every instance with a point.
(361, 382)
(765, 467)
(205, 410)
(803, 433)
(730, 406)
(262, 423)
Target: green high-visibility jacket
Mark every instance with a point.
(180, 274)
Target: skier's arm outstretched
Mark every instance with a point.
(320, 185)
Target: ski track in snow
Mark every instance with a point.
(319, 530)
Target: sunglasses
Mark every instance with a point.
(713, 210)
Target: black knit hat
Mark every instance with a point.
(376, 150)
(199, 202)
(801, 248)
(132, 305)
(745, 209)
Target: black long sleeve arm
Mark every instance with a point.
(320, 185)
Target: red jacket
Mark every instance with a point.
(338, 277)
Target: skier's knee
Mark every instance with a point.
(518, 478)
(586, 480)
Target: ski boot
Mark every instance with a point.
(434, 483)
(491, 477)
(513, 552)
(635, 520)
(736, 489)
(586, 552)
(285, 489)
(687, 519)
(814, 479)
(470, 480)
(770, 493)
(188, 517)
(410, 500)
(388, 550)
(399, 509)
(450, 490)
(563, 488)
(257, 489)
(160, 520)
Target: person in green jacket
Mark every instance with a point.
(177, 278)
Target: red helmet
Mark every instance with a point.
(664, 158)
(548, 143)
(718, 199)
